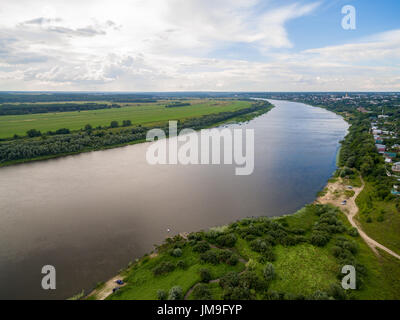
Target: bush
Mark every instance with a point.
(126, 123)
(269, 272)
(233, 260)
(249, 279)
(176, 293)
(335, 291)
(205, 275)
(230, 279)
(319, 295)
(33, 133)
(201, 246)
(226, 240)
(181, 264)
(114, 124)
(176, 252)
(319, 238)
(163, 268)
(202, 292)
(353, 232)
(161, 295)
(209, 256)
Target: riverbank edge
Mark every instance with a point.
(240, 119)
(92, 292)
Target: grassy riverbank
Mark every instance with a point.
(292, 257)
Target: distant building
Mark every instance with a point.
(376, 131)
(388, 160)
(390, 155)
(396, 167)
(381, 148)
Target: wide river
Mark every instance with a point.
(89, 215)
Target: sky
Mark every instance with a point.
(198, 45)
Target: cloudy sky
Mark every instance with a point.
(198, 45)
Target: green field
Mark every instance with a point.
(138, 113)
(383, 224)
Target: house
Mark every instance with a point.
(396, 167)
(388, 160)
(381, 148)
(390, 155)
(376, 131)
(378, 141)
(396, 146)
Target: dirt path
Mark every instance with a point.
(335, 195)
(106, 289)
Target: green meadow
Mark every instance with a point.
(144, 114)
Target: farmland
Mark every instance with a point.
(138, 113)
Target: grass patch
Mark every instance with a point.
(384, 216)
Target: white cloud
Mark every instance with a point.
(166, 45)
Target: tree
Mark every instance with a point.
(205, 275)
(176, 252)
(88, 127)
(176, 293)
(126, 123)
(202, 292)
(33, 133)
(269, 272)
(114, 124)
(161, 295)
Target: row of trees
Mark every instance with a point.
(18, 109)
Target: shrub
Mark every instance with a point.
(249, 279)
(126, 123)
(319, 295)
(176, 252)
(226, 240)
(319, 238)
(335, 291)
(181, 264)
(176, 293)
(269, 272)
(163, 268)
(33, 133)
(233, 260)
(201, 246)
(230, 279)
(353, 232)
(202, 292)
(161, 295)
(114, 124)
(205, 275)
(209, 256)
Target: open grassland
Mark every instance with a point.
(144, 114)
(380, 219)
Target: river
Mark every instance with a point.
(90, 214)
